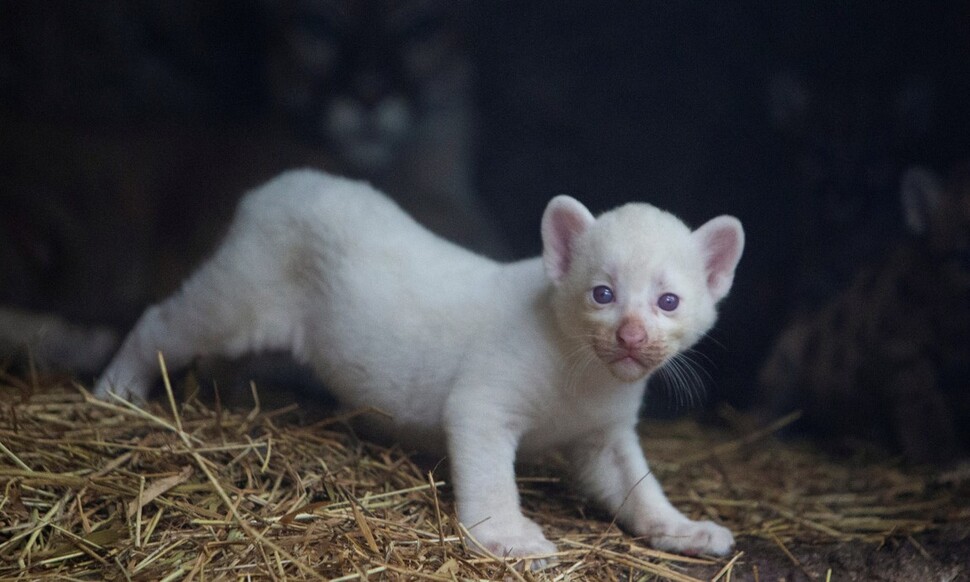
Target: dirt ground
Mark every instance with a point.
(939, 556)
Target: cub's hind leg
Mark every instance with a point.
(233, 305)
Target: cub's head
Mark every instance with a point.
(635, 285)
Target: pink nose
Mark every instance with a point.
(631, 334)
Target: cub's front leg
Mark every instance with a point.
(481, 450)
(610, 467)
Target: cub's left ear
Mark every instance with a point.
(721, 241)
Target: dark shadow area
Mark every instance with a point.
(128, 131)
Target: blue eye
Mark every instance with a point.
(668, 302)
(602, 294)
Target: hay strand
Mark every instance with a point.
(106, 490)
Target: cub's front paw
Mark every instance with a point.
(518, 538)
(692, 538)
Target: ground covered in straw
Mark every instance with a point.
(94, 490)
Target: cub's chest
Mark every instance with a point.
(581, 413)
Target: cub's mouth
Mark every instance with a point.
(628, 368)
(626, 362)
(631, 366)
(629, 359)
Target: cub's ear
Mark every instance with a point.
(721, 241)
(564, 220)
(921, 194)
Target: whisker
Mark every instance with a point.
(690, 354)
(576, 370)
(683, 382)
(710, 337)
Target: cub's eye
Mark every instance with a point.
(668, 302)
(602, 294)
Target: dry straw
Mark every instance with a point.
(94, 490)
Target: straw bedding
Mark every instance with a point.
(93, 490)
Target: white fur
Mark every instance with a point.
(486, 360)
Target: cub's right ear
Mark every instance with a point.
(564, 220)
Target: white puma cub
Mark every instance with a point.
(483, 360)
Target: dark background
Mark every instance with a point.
(797, 117)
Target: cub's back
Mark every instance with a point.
(342, 222)
(371, 288)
